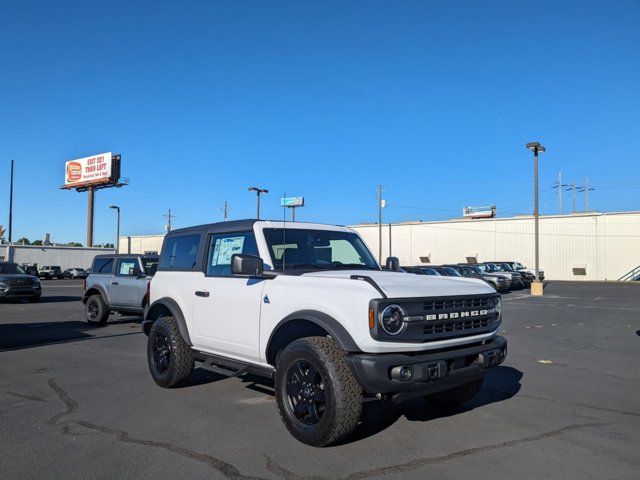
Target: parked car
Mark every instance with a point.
(309, 306)
(48, 272)
(498, 282)
(74, 273)
(446, 271)
(30, 269)
(514, 278)
(519, 267)
(117, 283)
(421, 270)
(15, 283)
(527, 277)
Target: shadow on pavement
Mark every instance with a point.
(500, 383)
(16, 336)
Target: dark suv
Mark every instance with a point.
(15, 283)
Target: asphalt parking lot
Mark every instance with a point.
(77, 401)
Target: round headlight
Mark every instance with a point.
(392, 319)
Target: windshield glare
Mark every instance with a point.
(298, 248)
(11, 269)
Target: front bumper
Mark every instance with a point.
(431, 372)
(20, 292)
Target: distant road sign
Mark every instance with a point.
(479, 212)
(292, 202)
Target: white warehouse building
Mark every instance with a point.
(582, 246)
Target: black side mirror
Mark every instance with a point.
(393, 264)
(247, 265)
(135, 272)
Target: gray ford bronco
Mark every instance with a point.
(117, 283)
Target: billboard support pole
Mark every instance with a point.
(91, 191)
(11, 204)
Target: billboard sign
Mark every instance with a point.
(479, 212)
(92, 170)
(292, 202)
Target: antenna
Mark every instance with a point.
(284, 233)
(225, 210)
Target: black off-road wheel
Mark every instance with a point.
(96, 311)
(318, 398)
(456, 396)
(170, 358)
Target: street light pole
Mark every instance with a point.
(535, 147)
(258, 192)
(117, 209)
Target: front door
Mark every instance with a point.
(226, 312)
(126, 285)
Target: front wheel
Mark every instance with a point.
(318, 398)
(458, 395)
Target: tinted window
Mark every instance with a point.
(223, 246)
(180, 252)
(125, 265)
(102, 265)
(149, 263)
(11, 268)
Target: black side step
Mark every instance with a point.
(231, 368)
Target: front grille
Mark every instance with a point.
(455, 303)
(19, 283)
(456, 327)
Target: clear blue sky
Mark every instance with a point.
(433, 99)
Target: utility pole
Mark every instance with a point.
(536, 286)
(380, 224)
(573, 197)
(92, 195)
(117, 209)
(560, 186)
(586, 190)
(11, 203)
(258, 191)
(169, 218)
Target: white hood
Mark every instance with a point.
(407, 285)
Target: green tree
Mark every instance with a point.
(24, 241)
(37, 242)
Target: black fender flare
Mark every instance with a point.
(154, 311)
(324, 321)
(99, 288)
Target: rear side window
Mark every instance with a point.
(102, 265)
(180, 252)
(126, 265)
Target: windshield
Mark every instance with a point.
(488, 268)
(451, 271)
(507, 267)
(518, 265)
(11, 269)
(477, 270)
(298, 248)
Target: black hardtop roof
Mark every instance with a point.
(124, 254)
(218, 227)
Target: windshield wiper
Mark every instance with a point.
(305, 265)
(354, 266)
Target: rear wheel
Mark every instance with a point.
(318, 398)
(170, 358)
(458, 395)
(96, 311)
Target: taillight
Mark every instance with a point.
(148, 292)
(84, 283)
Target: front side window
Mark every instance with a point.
(317, 249)
(223, 246)
(180, 252)
(126, 266)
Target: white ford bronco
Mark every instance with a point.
(308, 306)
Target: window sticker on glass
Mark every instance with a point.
(225, 248)
(125, 267)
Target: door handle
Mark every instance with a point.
(202, 293)
(115, 283)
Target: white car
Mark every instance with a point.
(308, 305)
